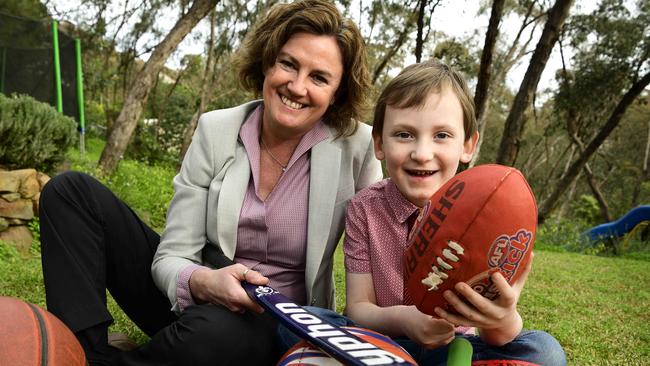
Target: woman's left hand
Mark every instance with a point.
(223, 287)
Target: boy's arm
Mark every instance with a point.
(395, 321)
(361, 301)
(498, 320)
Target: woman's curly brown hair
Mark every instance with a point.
(263, 43)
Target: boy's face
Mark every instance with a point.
(424, 145)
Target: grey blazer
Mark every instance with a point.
(210, 188)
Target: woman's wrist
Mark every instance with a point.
(197, 283)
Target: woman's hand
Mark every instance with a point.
(498, 319)
(223, 287)
(425, 330)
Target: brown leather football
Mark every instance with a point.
(481, 221)
(33, 336)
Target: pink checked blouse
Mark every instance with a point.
(272, 234)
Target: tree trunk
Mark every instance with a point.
(499, 78)
(602, 203)
(419, 39)
(614, 119)
(515, 122)
(134, 102)
(481, 93)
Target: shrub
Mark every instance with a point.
(586, 210)
(33, 134)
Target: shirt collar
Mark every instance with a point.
(250, 136)
(402, 208)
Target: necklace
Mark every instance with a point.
(284, 167)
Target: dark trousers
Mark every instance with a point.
(92, 242)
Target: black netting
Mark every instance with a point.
(27, 62)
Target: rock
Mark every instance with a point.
(19, 236)
(20, 209)
(29, 187)
(14, 222)
(11, 197)
(42, 179)
(24, 173)
(9, 182)
(36, 200)
(4, 224)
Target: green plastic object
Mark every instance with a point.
(460, 352)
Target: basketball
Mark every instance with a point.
(482, 220)
(32, 336)
(304, 354)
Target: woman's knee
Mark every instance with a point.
(207, 332)
(62, 185)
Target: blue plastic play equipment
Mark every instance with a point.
(620, 227)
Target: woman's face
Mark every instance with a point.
(301, 84)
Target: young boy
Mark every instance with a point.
(424, 127)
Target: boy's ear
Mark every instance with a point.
(379, 151)
(469, 147)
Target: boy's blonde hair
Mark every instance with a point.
(320, 17)
(412, 87)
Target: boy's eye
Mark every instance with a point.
(404, 135)
(442, 135)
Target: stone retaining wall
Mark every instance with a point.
(19, 194)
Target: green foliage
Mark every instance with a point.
(586, 209)
(35, 228)
(159, 139)
(33, 9)
(7, 251)
(562, 236)
(33, 133)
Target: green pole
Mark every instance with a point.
(80, 94)
(57, 67)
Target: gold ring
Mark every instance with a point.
(244, 273)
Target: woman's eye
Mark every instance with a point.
(286, 64)
(319, 79)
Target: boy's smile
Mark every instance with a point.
(424, 145)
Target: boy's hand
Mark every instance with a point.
(426, 330)
(500, 314)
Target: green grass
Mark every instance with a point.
(597, 307)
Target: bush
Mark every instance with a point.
(586, 210)
(33, 134)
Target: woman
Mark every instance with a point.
(263, 185)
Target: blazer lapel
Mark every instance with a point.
(231, 198)
(324, 170)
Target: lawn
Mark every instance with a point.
(597, 307)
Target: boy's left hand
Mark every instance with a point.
(478, 311)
